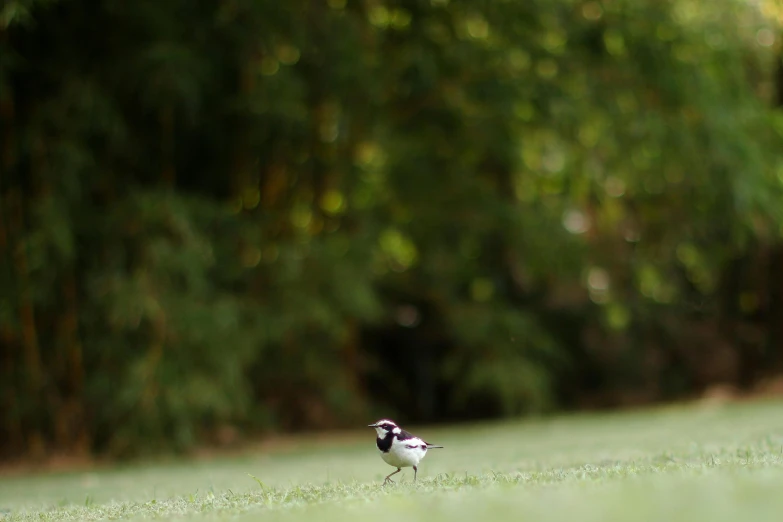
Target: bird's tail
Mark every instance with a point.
(431, 446)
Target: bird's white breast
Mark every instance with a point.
(405, 453)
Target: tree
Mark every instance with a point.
(271, 214)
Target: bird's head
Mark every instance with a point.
(384, 426)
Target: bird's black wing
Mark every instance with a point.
(404, 435)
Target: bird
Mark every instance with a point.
(399, 448)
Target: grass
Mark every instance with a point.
(677, 464)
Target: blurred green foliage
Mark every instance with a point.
(226, 213)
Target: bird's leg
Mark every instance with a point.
(388, 479)
(415, 472)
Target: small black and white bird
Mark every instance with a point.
(399, 448)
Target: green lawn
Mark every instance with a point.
(672, 464)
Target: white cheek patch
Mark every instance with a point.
(396, 430)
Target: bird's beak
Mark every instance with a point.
(372, 425)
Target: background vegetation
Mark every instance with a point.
(236, 216)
